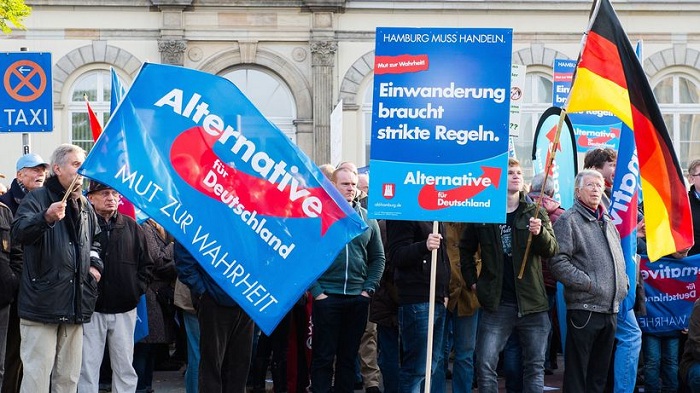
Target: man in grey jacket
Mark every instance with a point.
(591, 266)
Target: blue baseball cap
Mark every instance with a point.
(30, 161)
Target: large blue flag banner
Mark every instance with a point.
(592, 129)
(117, 92)
(671, 287)
(624, 200)
(194, 153)
(440, 119)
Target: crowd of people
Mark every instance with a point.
(73, 270)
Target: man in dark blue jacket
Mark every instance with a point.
(226, 331)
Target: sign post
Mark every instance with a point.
(26, 102)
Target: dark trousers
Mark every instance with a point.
(589, 341)
(13, 364)
(275, 346)
(339, 322)
(225, 345)
(144, 361)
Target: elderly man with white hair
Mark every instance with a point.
(591, 266)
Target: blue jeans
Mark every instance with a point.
(660, 363)
(693, 378)
(464, 341)
(513, 364)
(629, 344)
(413, 326)
(339, 322)
(494, 329)
(192, 372)
(389, 357)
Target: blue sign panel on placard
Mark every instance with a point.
(440, 121)
(26, 103)
(592, 129)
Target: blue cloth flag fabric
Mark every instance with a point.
(624, 201)
(671, 287)
(116, 94)
(194, 153)
(141, 329)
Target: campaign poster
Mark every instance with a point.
(592, 129)
(440, 119)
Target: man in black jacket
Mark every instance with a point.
(31, 174)
(127, 271)
(62, 267)
(9, 280)
(410, 245)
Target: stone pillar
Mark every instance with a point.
(322, 66)
(171, 43)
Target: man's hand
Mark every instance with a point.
(535, 226)
(433, 242)
(321, 297)
(95, 273)
(641, 229)
(55, 212)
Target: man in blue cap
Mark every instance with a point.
(31, 173)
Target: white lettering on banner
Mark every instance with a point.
(442, 133)
(273, 171)
(664, 271)
(248, 217)
(420, 178)
(233, 271)
(448, 38)
(628, 187)
(388, 90)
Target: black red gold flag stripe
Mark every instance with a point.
(609, 77)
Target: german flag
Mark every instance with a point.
(609, 77)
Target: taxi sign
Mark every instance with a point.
(26, 99)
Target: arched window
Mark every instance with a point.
(678, 95)
(269, 94)
(95, 85)
(537, 99)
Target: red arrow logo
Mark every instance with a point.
(194, 160)
(429, 196)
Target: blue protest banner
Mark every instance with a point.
(592, 129)
(440, 122)
(192, 151)
(624, 201)
(671, 287)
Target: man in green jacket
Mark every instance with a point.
(341, 299)
(510, 304)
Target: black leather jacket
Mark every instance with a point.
(127, 265)
(56, 285)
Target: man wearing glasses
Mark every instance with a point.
(694, 196)
(126, 274)
(591, 266)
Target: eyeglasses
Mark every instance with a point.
(592, 186)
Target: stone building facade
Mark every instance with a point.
(298, 59)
